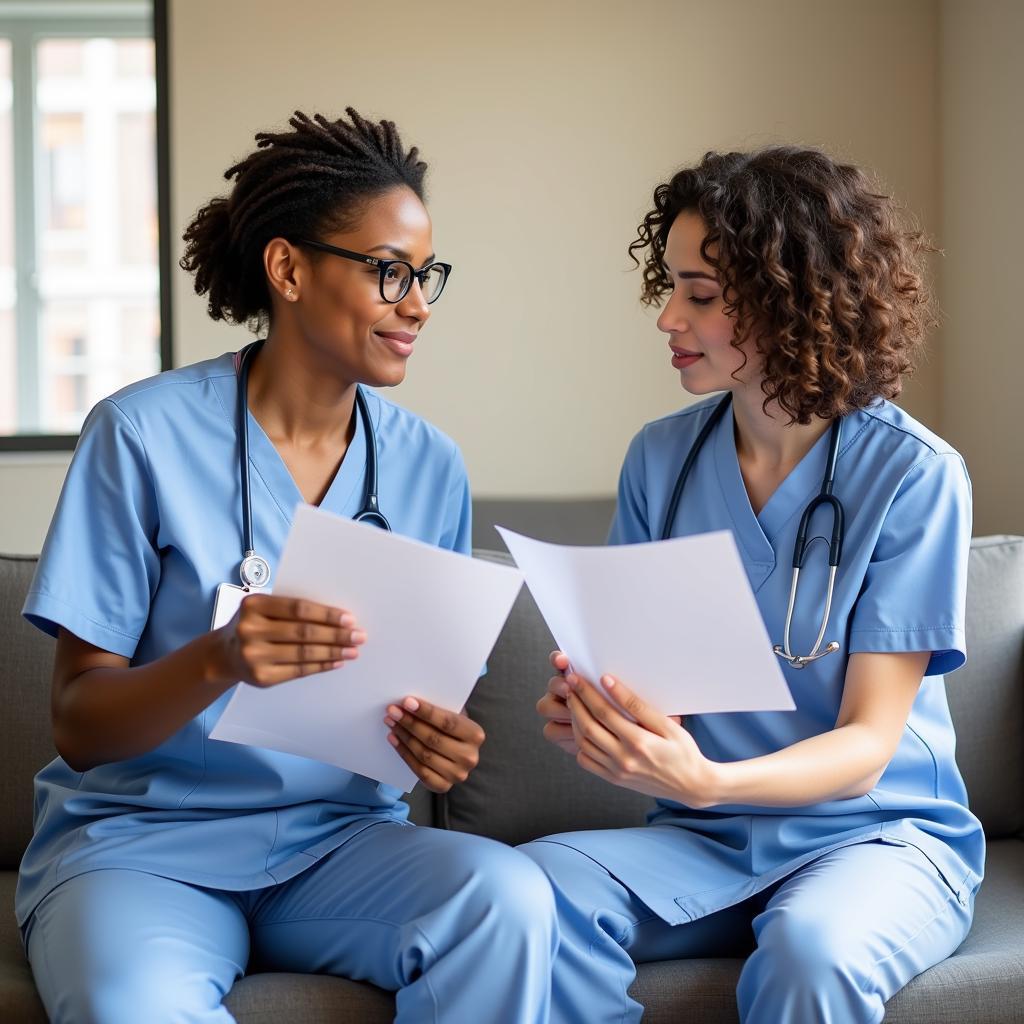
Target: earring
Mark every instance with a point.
(290, 293)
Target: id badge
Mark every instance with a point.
(226, 603)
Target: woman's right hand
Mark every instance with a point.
(272, 639)
(553, 707)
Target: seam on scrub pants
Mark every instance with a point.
(950, 899)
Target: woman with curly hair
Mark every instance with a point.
(832, 843)
(165, 862)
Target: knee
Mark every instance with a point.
(511, 886)
(568, 872)
(154, 998)
(808, 950)
(127, 990)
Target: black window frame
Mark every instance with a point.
(66, 442)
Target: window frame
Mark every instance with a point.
(24, 24)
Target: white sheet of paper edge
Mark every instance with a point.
(675, 620)
(431, 618)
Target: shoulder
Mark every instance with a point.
(670, 433)
(891, 436)
(401, 430)
(170, 391)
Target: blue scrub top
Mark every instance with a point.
(901, 587)
(147, 526)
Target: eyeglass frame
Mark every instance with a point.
(383, 267)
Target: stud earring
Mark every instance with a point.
(290, 293)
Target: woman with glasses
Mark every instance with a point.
(832, 843)
(163, 861)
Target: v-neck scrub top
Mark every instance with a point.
(901, 587)
(147, 526)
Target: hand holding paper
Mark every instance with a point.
(431, 618)
(675, 620)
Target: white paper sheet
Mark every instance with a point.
(675, 620)
(431, 619)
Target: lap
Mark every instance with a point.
(387, 889)
(119, 945)
(587, 893)
(865, 902)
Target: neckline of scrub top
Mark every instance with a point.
(265, 463)
(755, 533)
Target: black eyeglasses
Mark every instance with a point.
(395, 275)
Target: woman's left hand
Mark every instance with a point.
(441, 747)
(654, 754)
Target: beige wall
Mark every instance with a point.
(982, 274)
(546, 126)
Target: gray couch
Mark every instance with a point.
(524, 789)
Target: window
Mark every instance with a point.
(80, 245)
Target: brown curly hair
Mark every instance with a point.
(819, 268)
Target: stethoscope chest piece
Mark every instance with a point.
(254, 570)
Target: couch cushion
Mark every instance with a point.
(986, 696)
(309, 999)
(27, 743)
(559, 520)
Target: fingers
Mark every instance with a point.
(561, 735)
(642, 712)
(610, 712)
(293, 631)
(258, 652)
(270, 674)
(441, 746)
(559, 661)
(277, 639)
(585, 761)
(558, 687)
(554, 707)
(430, 778)
(298, 609)
(589, 729)
(451, 723)
(429, 744)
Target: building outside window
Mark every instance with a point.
(79, 239)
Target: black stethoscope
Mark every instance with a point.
(255, 569)
(823, 497)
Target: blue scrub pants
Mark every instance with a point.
(462, 928)
(834, 940)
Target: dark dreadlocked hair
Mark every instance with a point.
(820, 267)
(314, 179)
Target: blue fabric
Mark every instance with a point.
(148, 525)
(126, 946)
(834, 940)
(901, 587)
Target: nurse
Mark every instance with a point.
(165, 863)
(834, 840)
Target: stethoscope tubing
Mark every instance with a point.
(370, 510)
(823, 497)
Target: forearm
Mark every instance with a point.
(842, 763)
(111, 714)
